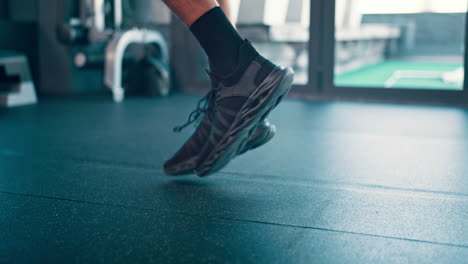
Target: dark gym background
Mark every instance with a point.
(356, 173)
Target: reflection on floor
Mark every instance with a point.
(81, 181)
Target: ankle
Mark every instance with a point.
(245, 56)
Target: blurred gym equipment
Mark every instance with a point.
(16, 85)
(93, 33)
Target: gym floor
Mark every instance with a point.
(342, 182)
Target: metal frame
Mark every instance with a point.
(115, 50)
(321, 66)
(317, 57)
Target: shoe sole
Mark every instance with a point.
(258, 142)
(181, 169)
(258, 106)
(187, 167)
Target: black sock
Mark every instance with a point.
(219, 39)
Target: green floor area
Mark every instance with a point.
(376, 75)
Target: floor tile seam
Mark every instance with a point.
(350, 186)
(232, 219)
(298, 180)
(272, 178)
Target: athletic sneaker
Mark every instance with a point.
(185, 160)
(239, 102)
(264, 132)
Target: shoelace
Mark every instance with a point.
(206, 106)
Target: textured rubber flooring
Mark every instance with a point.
(81, 181)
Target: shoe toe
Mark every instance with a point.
(177, 167)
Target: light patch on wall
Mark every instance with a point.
(413, 6)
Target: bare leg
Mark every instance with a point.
(226, 5)
(190, 10)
